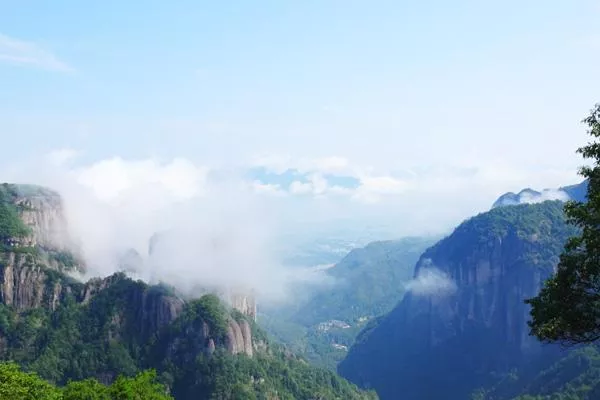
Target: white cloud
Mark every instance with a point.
(430, 200)
(431, 281)
(20, 52)
(113, 178)
(116, 204)
(331, 164)
(280, 163)
(268, 188)
(373, 188)
(300, 188)
(549, 194)
(470, 186)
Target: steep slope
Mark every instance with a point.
(463, 325)
(64, 329)
(368, 282)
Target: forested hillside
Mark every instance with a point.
(462, 330)
(63, 329)
(366, 283)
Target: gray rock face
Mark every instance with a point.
(25, 285)
(239, 338)
(492, 281)
(44, 214)
(154, 311)
(27, 281)
(243, 301)
(464, 317)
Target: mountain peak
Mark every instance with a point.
(576, 192)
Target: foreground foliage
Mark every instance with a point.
(573, 375)
(568, 307)
(18, 385)
(102, 339)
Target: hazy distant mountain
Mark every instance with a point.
(528, 196)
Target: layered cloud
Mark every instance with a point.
(422, 199)
(319, 177)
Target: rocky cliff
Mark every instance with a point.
(464, 318)
(41, 213)
(26, 284)
(65, 329)
(36, 253)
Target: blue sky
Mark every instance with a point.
(395, 103)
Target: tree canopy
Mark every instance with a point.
(18, 385)
(567, 309)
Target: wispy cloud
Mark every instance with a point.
(431, 281)
(24, 53)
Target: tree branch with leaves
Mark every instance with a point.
(567, 309)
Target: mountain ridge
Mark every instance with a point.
(63, 329)
(576, 192)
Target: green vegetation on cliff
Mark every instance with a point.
(568, 307)
(437, 344)
(366, 283)
(11, 225)
(127, 327)
(575, 375)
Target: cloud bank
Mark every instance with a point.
(228, 222)
(215, 233)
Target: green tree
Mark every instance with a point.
(141, 387)
(89, 389)
(567, 309)
(18, 385)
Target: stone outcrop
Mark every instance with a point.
(32, 276)
(239, 338)
(243, 301)
(43, 213)
(25, 284)
(155, 310)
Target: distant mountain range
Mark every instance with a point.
(529, 196)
